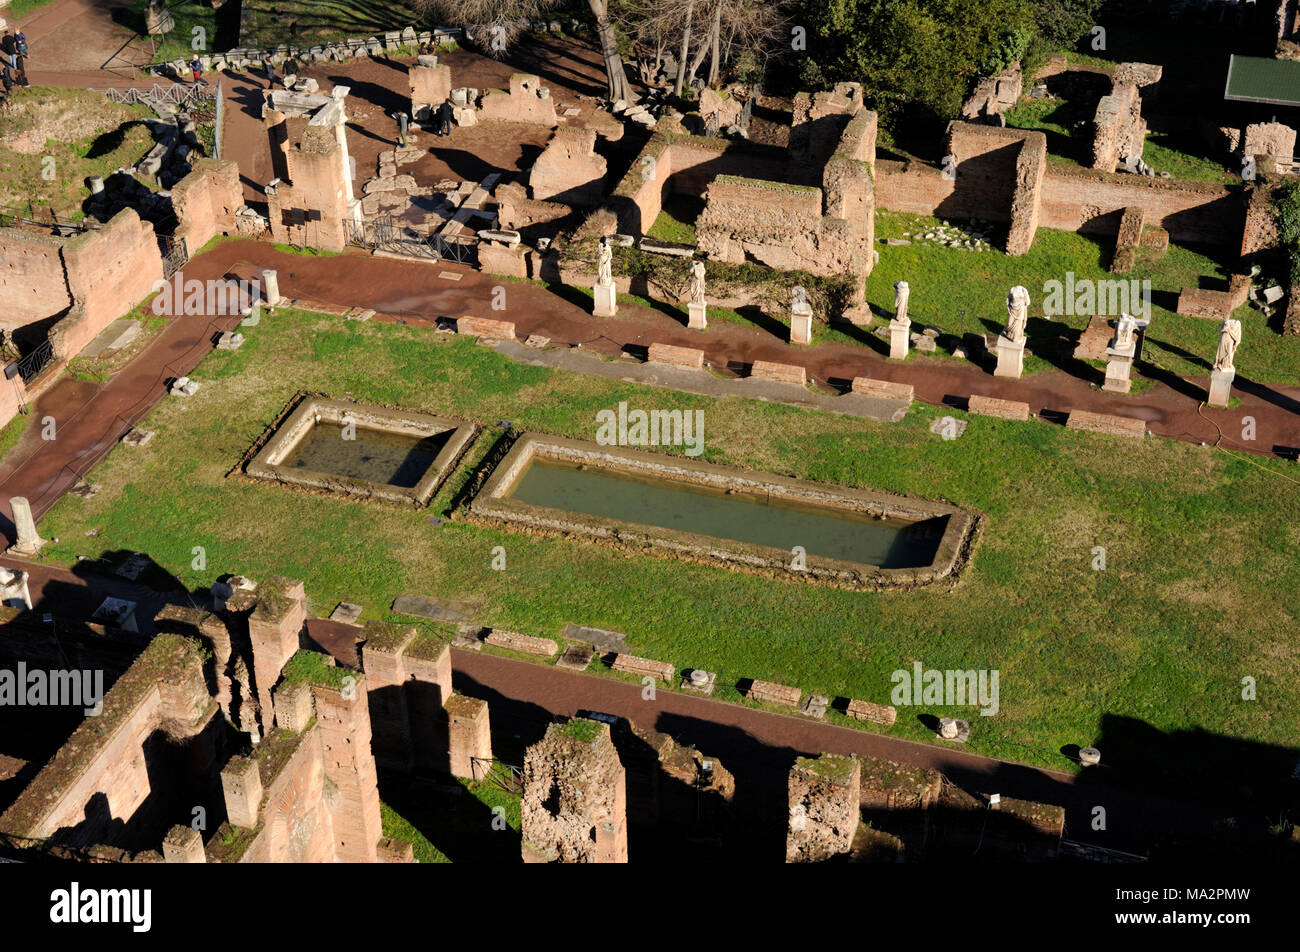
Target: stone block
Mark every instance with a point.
(781, 373)
(875, 713)
(772, 693)
(995, 407)
(1106, 423)
(631, 664)
(883, 388)
(527, 644)
(486, 327)
(677, 356)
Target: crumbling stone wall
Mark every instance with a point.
(430, 87)
(569, 170)
(527, 101)
(32, 277)
(824, 807)
(105, 273)
(995, 95)
(206, 202)
(1270, 138)
(574, 806)
(311, 201)
(101, 776)
(1119, 131)
(817, 126)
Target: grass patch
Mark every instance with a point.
(53, 139)
(309, 22)
(961, 292)
(480, 825)
(676, 221)
(1197, 589)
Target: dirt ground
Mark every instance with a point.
(82, 35)
(380, 88)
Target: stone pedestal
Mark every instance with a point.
(900, 335)
(606, 303)
(1119, 364)
(1011, 357)
(271, 287)
(697, 320)
(1220, 387)
(14, 592)
(29, 542)
(801, 325)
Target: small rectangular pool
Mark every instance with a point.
(724, 514)
(362, 450)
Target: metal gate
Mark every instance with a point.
(174, 254)
(30, 367)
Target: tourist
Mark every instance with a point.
(20, 41)
(9, 46)
(443, 125)
(6, 78)
(196, 67)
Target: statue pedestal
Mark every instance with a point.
(606, 305)
(801, 325)
(1119, 364)
(1011, 357)
(1220, 387)
(900, 335)
(697, 320)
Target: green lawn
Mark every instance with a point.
(960, 292)
(53, 139)
(313, 21)
(1196, 593)
(446, 828)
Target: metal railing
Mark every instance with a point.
(30, 367)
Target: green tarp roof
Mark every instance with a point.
(1260, 79)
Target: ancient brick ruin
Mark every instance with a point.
(575, 797)
(311, 201)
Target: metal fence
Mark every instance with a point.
(221, 111)
(175, 252)
(388, 234)
(30, 367)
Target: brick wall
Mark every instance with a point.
(205, 202)
(32, 280)
(109, 270)
(569, 170)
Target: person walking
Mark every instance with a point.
(443, 125)
(20, 41)
(9, 47)
(196, 67)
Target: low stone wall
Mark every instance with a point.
(995, 407)
(781, 373)
(526, 644)
(875, 713)
(630, 664)
(527, 101)
(1106, 423)
(773, 693)
(486, 327)
(883, 388)
(677, 356)
(825, 795)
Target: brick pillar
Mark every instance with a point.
(469, 736)
(344, 723)
(825, 807)
(183, 844)
(273, 629)
(382, 661)
(242, 785)
(427, 663)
